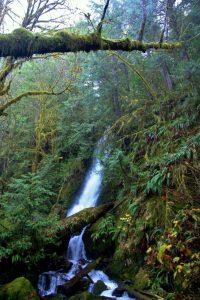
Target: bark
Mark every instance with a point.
(23, 43)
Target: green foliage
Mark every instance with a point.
(177, 253)
(25, 218)
(105, 228)
(156, 182)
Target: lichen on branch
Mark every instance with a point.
(23, 43)
(28, 94)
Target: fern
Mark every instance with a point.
(155, 184)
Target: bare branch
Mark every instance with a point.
(99, 27)
(4, 10)
(39, 8)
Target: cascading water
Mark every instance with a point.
(76, 254)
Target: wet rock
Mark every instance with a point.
(118, 292)
(19, 289)
(99, 287)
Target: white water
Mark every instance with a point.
(76, 254)
(91, 189)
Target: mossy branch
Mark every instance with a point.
(5, 88)
(23, 43)
(28, 94)
(7, 68)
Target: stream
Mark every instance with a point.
(49, 282)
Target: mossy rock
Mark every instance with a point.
(119, 270)
(142, 280)
(99, 287)
(102, 246)
(86, 296)
(19, 289)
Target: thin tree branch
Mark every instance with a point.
(99, 27)
(28, 94)
(144, 19)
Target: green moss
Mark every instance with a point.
(103, 245)
(18, 289)
(99, 287)
(86, 296)
(23, 43)
(117, 269)
(142, 280)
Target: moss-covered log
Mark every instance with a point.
(23, 43)
(74, 224)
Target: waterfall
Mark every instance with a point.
(76, 254)
(91, 189)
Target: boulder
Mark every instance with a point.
(99, 287)
(118, 292)
(142, 280)
(19, 289)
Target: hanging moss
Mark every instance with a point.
(23, 43)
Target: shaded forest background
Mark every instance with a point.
(148, 104)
